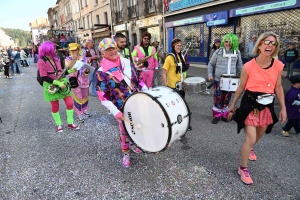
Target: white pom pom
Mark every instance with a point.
(139, 126)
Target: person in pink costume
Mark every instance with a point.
(81, 93)
(116, 80)
(150, 65)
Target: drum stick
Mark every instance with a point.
(138, 126)
(210, 85)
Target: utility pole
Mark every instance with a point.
(111, 19)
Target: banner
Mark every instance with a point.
(166, 2)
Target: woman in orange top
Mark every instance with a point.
(260, 76)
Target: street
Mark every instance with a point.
(38, 163)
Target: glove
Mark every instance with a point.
(58, 83)
(70, 71)
(296, 103)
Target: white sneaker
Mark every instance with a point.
(80, 119)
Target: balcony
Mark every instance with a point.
(149, 6)
(119, 16)
(132, 11)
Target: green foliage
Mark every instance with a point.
(22, 38)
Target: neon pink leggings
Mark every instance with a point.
(55, 104)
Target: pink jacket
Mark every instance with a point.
(138, 52)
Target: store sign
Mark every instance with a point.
(120, 27)
(214, 19)
(262, 8)
(186, 3)
(166, 3)
(192, 20)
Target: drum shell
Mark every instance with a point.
(199, 85)
(158, 113)
(229, 83)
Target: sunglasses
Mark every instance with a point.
(146, 38)
(267, 42)
(227, 41)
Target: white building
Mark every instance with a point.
(5, 40)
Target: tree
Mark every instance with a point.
(21, 37)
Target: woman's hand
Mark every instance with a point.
(282, 115)
(119, 116)
(210, 78)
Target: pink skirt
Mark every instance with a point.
(262, 118)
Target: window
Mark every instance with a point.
(119, 7)
(73, 8)
(81, 4)
(151, 5)
(88, 21)
(66, 13)
(132, 2)
(86, 2)
(96, 2)
(97, 19)
(75, 26)
(83, 23)
(105, 18)
(79, 24)
(77, 6)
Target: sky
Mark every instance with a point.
(19, 13)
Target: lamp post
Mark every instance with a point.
(111, 19)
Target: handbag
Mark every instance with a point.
(73, 81)
(265, 99)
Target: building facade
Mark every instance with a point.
(39, 29)
(200, 24)
(133, 17)
(5, 40)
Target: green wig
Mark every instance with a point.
(234, 41)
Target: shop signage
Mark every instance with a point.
(186, 3)
(215, 19)
(267, 7)
(166, 3)
(120, 27)
(192, 20)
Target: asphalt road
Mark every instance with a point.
(38, 163)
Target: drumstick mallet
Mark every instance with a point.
(138, 126)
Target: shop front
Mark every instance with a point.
(99, 35)
(122, 28)
(152, 26)
(281, 17)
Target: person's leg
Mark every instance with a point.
(224, 102)
(297, 125)
(216, 110)
(151, 77)
(56, 115)
(287, 127)
(124, 142)
(77, 98)
(94, 84)
(6, 70)
(291, 68)
(70, 112)
(85, 100)
(19, 66)
(288, 69)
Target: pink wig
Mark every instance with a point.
(47, 49)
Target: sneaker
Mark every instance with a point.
(9, 77)
(73, 127)
(225, 120)
(135, 149)
(285, 133)
(245, 176)
(252, 155)
(80, 119)
(59, 129)
(215, 120)
(87, 114)
(126, 160)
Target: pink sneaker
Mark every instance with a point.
(73, 127)
(135, 149)
(252, 155)
(126, 160)
(59, 129)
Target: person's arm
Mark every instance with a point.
(239, 64)
(134, 56)
(240, 89)
(165, 69)
(155, 59)
(280, 96)
(164, 77)
(211, 66)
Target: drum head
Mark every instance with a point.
(154, 134)
(194, 80)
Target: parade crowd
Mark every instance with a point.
(116, 72)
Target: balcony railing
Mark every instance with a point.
(149, 6)
(119, 16)
(132, 11)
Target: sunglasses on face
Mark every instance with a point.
(227, 41)
(267, 42)
(146, 38)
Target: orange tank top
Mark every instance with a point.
(262, 80)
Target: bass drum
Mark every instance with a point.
(163, 115)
